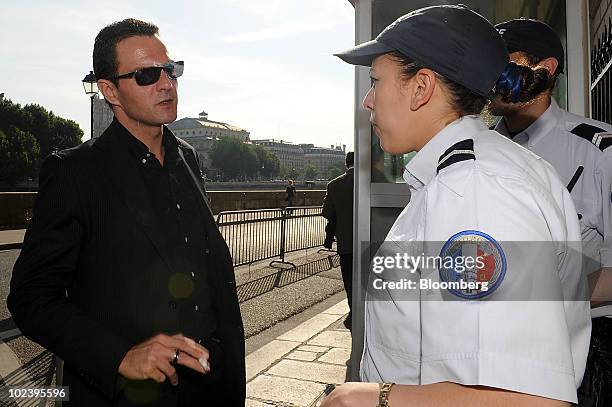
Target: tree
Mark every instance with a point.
(51, 132)
(272, 165)
(292, 173)
(310, 172)
(238, 160)
(269, 164)
(249, 164)
(288, 173)
(334, 171)
(224, 155)
(19, 153)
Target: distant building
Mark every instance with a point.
(322, 158)
(202, 133)
(102, 116)
(291, 156)
(189, 128)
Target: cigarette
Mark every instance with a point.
(205, 364)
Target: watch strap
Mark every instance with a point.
(383, 397)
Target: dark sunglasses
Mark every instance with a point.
(150, 75)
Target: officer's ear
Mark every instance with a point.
(421, 87)
(109, 91)
(550, 64)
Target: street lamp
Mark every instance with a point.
(91, 89)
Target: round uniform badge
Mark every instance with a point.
(473, 264)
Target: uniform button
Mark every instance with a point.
(172, 305)
(178, 206)
(196, 307)
(144, 160)
(206, 251)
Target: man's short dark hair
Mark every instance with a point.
(105, 47)
(350, 159)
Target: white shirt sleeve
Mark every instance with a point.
(530, 335)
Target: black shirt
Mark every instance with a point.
(178, 207)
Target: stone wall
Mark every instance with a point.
(16, 207)
(241, 200)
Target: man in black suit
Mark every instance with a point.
(123, 272)
(338, 210)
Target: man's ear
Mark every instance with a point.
(109, 91)
(550, 64)
(422, 87)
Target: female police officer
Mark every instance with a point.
(432, 72)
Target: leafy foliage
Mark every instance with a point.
(310, 172)
(50, 132)
(334, 171)
(19, 154)
(238, 160)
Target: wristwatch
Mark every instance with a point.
(385, 389)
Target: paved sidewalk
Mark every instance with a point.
(11, 239)
(293, 369)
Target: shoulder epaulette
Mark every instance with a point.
(461, 151)
(599, 137)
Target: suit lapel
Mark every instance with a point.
(123, 173)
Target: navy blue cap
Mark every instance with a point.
(533, 37)
(453, 41)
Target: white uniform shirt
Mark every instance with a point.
(551, 138)
(511, 195)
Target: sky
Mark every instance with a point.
(266, 66)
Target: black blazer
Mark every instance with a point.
(338, 210)
(92, 280)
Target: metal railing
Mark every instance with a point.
(601, 76)
(255, 235)
(251, 235)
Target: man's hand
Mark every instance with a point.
(151, 359)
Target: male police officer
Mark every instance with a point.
(580, 150)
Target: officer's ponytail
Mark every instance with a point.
(520, 83)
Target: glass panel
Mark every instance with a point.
(387, 168)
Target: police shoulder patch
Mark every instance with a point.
(473, 264)
(598, 136)
(461, 151)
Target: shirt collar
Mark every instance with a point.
(422, 168)
(538, 130)
(139, 150)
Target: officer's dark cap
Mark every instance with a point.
(453, 41)
(533, 37)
